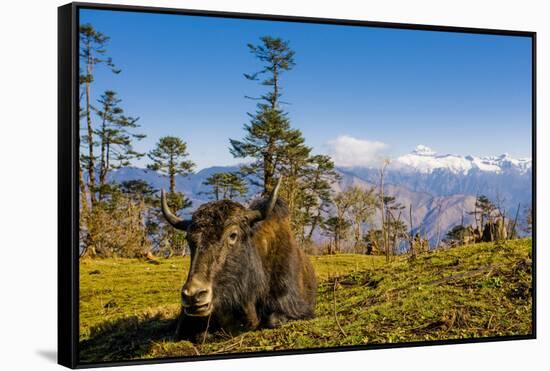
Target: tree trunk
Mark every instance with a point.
(411, 242)
(90, 133)
(513, 229)
(269, 166)
(275, 87)
(383, 214)
(102, 160)
(172, 174)
(84, 210)
(83, 195)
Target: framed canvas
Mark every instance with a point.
(235, 185)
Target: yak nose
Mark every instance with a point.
(194, 293)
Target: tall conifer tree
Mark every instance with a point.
(269, 139)
(226, 185)
(170, 158)
(92, 53)
(115, 137)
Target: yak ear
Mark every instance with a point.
(173, 219)
(257, 215)
(254, 216)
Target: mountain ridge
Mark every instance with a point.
(437, 187)
(426, 218)
(425, 160)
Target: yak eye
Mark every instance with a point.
(232, 237)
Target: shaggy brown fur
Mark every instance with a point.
(261, 280)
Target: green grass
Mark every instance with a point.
(127, 306)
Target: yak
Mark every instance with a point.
(246, 270)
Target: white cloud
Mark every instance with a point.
(348, 151)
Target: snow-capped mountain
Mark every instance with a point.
(501, 178)
(424, 160)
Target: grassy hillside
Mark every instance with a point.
(127, 306)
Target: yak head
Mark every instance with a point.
(216, 230)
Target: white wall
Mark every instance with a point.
(28, 158)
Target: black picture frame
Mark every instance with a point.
(68, 154)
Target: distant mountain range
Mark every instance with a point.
(497, 177)
(426, 161)
(422, 179)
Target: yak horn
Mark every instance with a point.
(273, 197)
(256, 215)
(173, 219)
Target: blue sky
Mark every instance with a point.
(389, 89)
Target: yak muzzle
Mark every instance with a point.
(196, 298)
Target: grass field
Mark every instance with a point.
(128, 306)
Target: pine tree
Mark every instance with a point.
(457, 234)
(84, 207)
(115, 137)
(336, 228)
(226, 185)
(216, 183)
(235, 186)
(138, 189)
(383, 213)
(293, 168)
(320, 174)
(270, 140)
(394, 227)
(92, 53)
(277, 58)
(170, 158)
(398, 232)
(339, 221)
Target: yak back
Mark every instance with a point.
(288, 270)
(273, 236)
